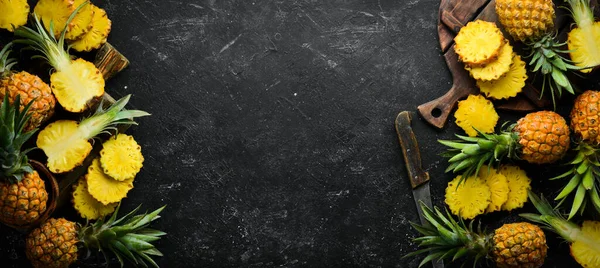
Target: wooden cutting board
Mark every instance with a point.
(453, 15)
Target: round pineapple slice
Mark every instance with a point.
(469, 199)
(121, 157)
(583, 46)
(14, 14)
(498, 187)
(585, 254)
(508, 85)
(478, 43)
(104, 188)
(476, 112)
(58, 11)
(518, 183)
(85, 204)
(90, 85)
(96, 36)
(63, 154)
(494, 69)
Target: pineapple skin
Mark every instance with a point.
(53, 244)
(519, 245)
(584, 117)
(24, 202)
(544, 137)
(526, 19)
(30, 88)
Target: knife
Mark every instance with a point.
(419, 178)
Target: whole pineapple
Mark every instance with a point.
(539, 138)
(55, 243)
(584, 175)
(29, 87)
(512, 245)
(526, 19)
(23, 194)
(532, 22)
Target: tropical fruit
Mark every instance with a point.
(29, 87)
(56, 243)
(57, 13)
(121, 157)
(526, 19)
(66, 143)
(104, 188)
(476, 113)
(469, 198)
(76, 83)
(495, 69)
(478, 43)
(14, 14)
(86, 205)
(512, 245)
(97, 35)
(584, 40)
(539, 138)
(23, 194)
(584, 240)
(509, 84)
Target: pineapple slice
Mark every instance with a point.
(476, 112)
(85, 204)
(78, 86)
(585, 253)
(104, 188)
(14, 14)
(121, 157)
(498, 187)
(584, 46)
(97, 36)
(468, 198)
(508, 85)
(58, 12)
(66, 143)
(478, 43)
(519, 185)
(63, 145)
(494, 69)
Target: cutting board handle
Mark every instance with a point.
(436, 112)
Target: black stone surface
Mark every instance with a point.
(271, 138)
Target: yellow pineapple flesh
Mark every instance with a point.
(478, 43)
(544, 137)
(85, 204)
(53, 244)
(97, 35)
(519, 245)
(58, 11)
(24, 202)
(518, 185)
(468, 198)
(59, 137)
(14, 14)
(509, 84)
(526, 19)
(78, 85)
(476, 112)
(121, 157)
(587, 251)
(104, 188)
(499, 188)
(495, 69)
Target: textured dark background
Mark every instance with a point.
(271, 138)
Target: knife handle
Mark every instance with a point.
(410, 150)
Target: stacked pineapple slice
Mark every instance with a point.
(488, 56)
(488, 191)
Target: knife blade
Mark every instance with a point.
(419, 178)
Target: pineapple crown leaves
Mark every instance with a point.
(446, 238)
(580, 10)
(14, 163)
(128, 237)
(103, 121)
(584, 180)
(546, 59)
(6, 63)
(469, 154)
(53, 51)
(552, 220)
